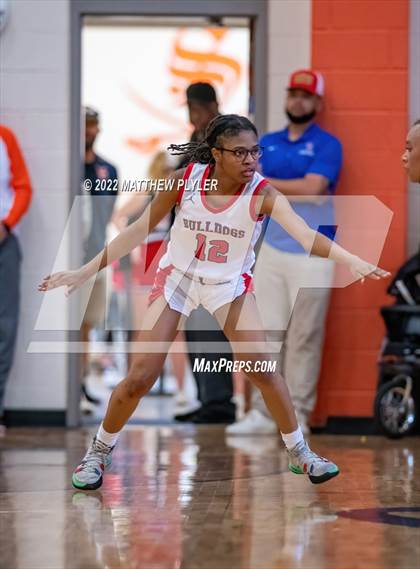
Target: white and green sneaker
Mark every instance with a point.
(303, 461)
(88, 475)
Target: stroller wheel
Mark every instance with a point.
(395, 408)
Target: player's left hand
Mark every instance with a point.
(362, 269)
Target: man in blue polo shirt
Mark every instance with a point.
(302, 162)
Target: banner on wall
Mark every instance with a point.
(136, 78)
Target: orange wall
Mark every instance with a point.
(361, 47)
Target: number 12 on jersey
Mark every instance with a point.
(217, 252)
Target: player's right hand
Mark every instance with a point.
(70, 279)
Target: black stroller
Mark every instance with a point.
(397, 402)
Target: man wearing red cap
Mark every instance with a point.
(302, 162)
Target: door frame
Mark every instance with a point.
(255, 10)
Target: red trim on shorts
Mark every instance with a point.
(159, 284)
(228, 203)
(252, 203)
(185, 177)
(248, 282)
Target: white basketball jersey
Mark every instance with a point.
(214, 241)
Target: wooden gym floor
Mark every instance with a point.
(191, 498)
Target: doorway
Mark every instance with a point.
(133, 68)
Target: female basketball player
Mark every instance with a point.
(209, 261)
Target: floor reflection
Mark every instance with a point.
(191, 498)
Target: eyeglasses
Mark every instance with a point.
(241, 153)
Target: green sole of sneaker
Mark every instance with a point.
(78, 486)
(323, 478)
(295, 469)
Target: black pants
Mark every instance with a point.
(213, 389)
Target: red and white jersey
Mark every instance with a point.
(210, 241)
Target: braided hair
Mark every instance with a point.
(222, 125)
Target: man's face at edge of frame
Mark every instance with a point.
(411, 156)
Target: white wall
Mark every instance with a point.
(289, 49)
(34, 102)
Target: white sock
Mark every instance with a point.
(109, 439)
(292, 439)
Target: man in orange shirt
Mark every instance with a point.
(15, 197)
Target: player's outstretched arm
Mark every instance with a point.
(278, 207)
(128, 239)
